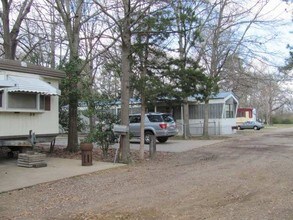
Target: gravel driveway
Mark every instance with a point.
(246, 177)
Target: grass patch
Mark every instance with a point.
(279, 126)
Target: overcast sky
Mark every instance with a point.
(283, 31)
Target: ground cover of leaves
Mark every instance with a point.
(61, 152)
(247, 177)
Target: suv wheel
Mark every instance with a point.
(147, 137)
(162, 139)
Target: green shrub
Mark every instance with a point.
(282, 119)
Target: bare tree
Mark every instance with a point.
(10, 35)
(257, 85)
(269, 94)
(38, 36)
(71, 16)
(224, 36)
(125, 14)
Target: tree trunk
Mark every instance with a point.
(143, 60)
(73, 77)
(6, 30)
(53, 40)
(269, 110)
(72, 144)
(141, 146)
(10, 37)
(72, 27)
(186, 128)
(92, 115)
(206, 118)
(182, 56)
(125, 67)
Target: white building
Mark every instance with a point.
(28, 103)
(222, 114)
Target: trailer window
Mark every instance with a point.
(26, 101)
(22, 100)
(45, 102)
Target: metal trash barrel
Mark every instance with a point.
(86, 154)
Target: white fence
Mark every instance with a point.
(214, 128)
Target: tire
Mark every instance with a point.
(255, 128)
(147, 138)
(162, 139)
(238, 128)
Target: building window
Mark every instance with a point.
(22, 100)
(25, 101)
(45, 103)
(229, 111)
(215, 111)
(197, 111)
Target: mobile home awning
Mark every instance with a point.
(5, 83)
(32, 85)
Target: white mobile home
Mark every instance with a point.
(28, 103)
(222, 114)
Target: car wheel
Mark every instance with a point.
(238, 128)
(147, 137)
(255, 128)
(162, 139)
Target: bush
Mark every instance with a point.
(282, 119)
(103, 133)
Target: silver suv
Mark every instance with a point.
(162, 125)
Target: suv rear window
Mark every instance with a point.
(155, 118)
(167, 118)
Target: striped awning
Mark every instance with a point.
(31, 85)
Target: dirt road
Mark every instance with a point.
(247, 177)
